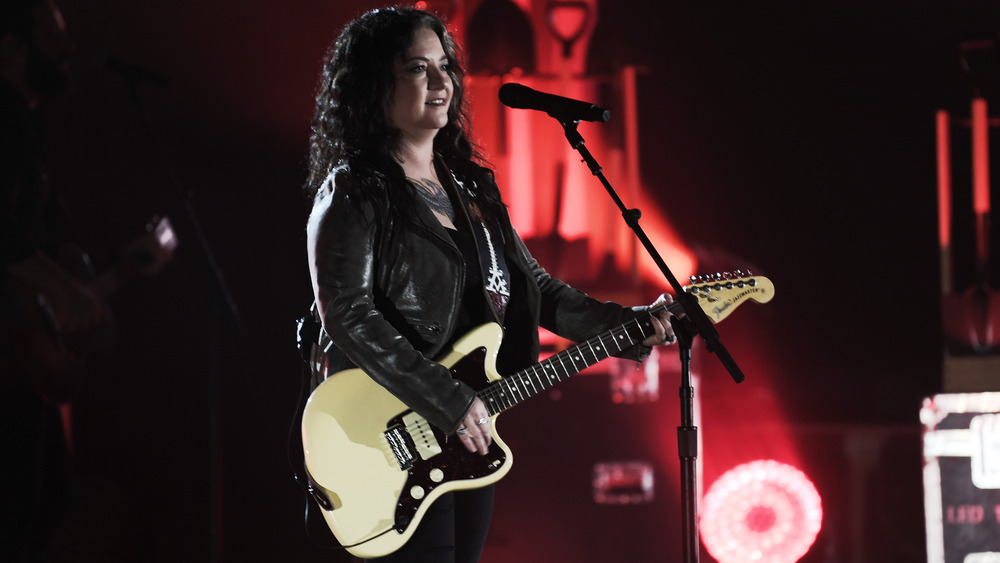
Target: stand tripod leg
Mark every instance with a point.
(687, 446)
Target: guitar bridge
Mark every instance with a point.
(401, 445)
(411, 436)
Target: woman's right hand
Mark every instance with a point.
(475, 431)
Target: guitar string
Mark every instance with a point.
(505, 391)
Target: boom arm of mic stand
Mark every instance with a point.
(702, 325)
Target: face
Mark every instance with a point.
(423, 88)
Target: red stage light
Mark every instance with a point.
(761, 511)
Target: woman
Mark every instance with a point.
(410, 247)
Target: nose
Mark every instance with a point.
(437, 79)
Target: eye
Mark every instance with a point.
(418, 68)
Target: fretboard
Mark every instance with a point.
(511, 390)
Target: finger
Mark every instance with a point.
(668, 327)
(664, 331)
(481, 434)
(472, 445)
(484, 443)
(465, 438)
(658, 327)
(474, 436)
(487, 437)
(475, 444)
(668, 332)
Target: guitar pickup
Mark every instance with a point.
(422, 435)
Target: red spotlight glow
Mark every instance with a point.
(761, 511)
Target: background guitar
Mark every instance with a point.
(55, 358)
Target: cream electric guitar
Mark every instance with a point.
(375, 466)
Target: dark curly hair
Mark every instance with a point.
(351, 126)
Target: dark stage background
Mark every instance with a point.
(796, 137)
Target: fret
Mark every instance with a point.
(552, 379)
(501, 397)
(614, 340)
(516, 391)
(625, 332)
(527, 387)
(569, 356)
(508, 395)
(491, 405)
(566, 372)
(592, 351)
(523, 375)
(645, 329)
(538, 378)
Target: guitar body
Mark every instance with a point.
(377, 466)
(53, 359)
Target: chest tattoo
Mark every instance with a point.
(435, 196)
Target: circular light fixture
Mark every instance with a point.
(762, 511)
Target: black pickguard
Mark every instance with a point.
(455, 462)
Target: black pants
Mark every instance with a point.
(452, 531)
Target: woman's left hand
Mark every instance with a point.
(661, 324)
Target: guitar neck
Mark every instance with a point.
(107, 283)
(718, 298)
(509, 391)
(118, 275)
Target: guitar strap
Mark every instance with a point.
(490, 243)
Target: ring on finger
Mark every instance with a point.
(462, 431)
(482, 421)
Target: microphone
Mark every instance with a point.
(521, 97)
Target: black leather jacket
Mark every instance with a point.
(388, 291)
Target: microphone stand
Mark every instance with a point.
(694, 323)
(220, 298)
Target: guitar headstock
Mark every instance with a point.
(147, 254)
(720, 294)
(164, 233)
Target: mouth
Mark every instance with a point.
(437, 102)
